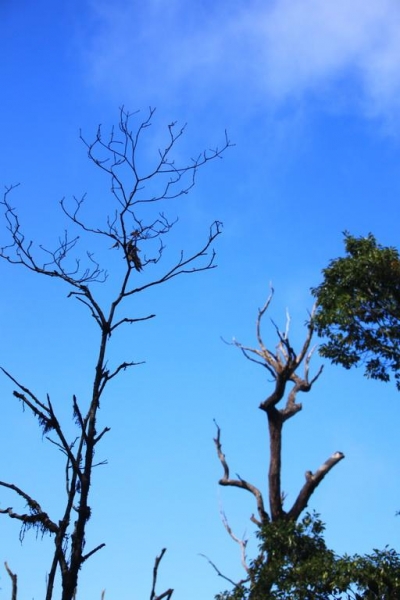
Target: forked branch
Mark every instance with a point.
(312, 481)
(36, 518)
(168, 593)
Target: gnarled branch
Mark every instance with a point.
(240, 483)
(36, 518)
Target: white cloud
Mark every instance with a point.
(311, 45)
(307, 42)
(262, 51)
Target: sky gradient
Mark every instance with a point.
(309, 93)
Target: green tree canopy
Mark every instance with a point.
(294, 563)
(358, 308)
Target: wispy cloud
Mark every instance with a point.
(264, 52)
(311, 46)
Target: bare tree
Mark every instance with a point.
(286, 368)
(132, 226)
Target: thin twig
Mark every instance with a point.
(241, 542)
(218, 571)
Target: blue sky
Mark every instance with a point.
(309, 94)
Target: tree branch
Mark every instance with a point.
(89, 554)
(168, 593)
(240, 483)
(312, 481)
(36, 518)
(14, 581)
(219, 572)
(241, 542)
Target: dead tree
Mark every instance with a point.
(135, 229)
(290, 373)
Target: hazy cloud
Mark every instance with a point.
(310, 45)
(271, 52)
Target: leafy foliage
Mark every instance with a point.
(358, 308)
(378, 574)
(294, 563)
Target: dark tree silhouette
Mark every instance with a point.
(131, 226)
